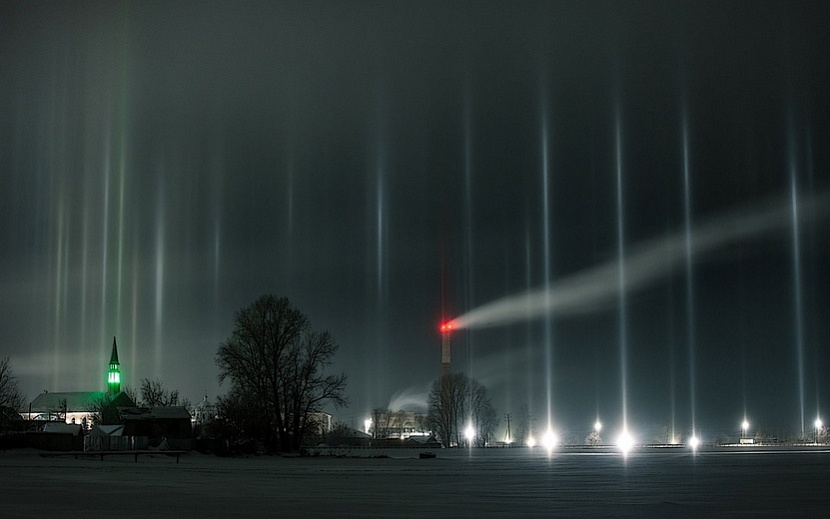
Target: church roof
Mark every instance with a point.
(76, 401)
(114, 357)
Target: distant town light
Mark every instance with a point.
(818, 423)
(597, 426)
(549, 440)
(625, 442)
(469, 433)
(694, 442)
(531, 442)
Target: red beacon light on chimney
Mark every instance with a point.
(446, 327)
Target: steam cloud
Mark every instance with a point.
(593, 288)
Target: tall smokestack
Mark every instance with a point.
(446, 328)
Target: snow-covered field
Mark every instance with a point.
(458, 483)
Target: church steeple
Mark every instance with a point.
(114, 373)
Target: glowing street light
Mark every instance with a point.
(469, 433)
(549, 440)
(694, 442)
(744, 428)
(597, 426)
(625, 442)
(531, 442)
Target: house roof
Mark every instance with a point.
(154, 413)
(107, 430)
(63, 428)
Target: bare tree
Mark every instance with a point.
(10, 395)
(457, 401)
(306, 387)
(275, 360)
(104, 411)
(154, 394)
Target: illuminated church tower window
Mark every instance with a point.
(114, 373)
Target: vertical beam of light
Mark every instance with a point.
(56, 160)
(812, 248)
(380, 319)
(623, 318)
(548, 321)
(690, 295)
(799, 311)
(469, 293)
(105, 241)
(380, 241)
(123, 98)
(65, 247)
(59, 275)
(122, 166)
(86, 361)
(216, 206)
(134, 310)
(159, 295)
(672, 359)
(529, 356)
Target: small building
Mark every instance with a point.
(347, 437)
(204, 412)
(172, 422)
(56, 436)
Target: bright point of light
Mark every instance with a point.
(818, 423)
(531, 442)
(625, 442)
(549, 440)
(367, 425)
(597, 426)
(469, 433)
(744, 425)
(694, 442)
(446, 327)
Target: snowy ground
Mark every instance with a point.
(458, 483)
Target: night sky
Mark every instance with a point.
(385, 165)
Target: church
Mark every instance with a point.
(79, 407)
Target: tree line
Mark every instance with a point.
(276, 368)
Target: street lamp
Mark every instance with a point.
(744, 427)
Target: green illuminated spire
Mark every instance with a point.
(114, 373)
